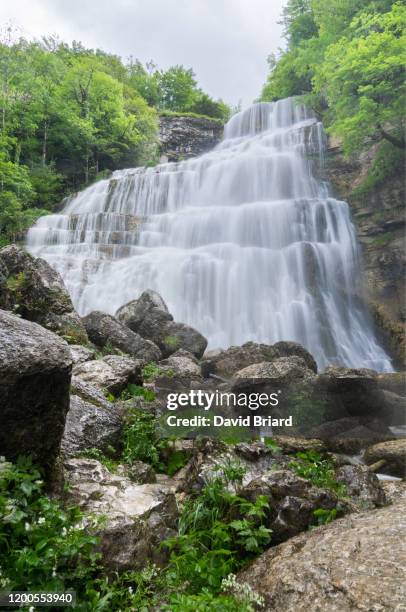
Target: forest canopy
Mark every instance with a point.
(69, 114)
(347, 57)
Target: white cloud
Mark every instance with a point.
(226, 42)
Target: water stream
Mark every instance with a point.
(243, 243)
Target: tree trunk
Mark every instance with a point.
(44, 143)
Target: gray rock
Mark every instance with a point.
(228, 362)
(35, 373)
(137, 517)
(181, 364)
(354, 392)
(104, 329)
(352, 564)
(135, 312)
(184, 137)
(281, 372)
(395, 382)
(362, 485)
(138, 471)
(89, 426)
(149, 317)
(292, 501)
(287, 349)
(180, 336)
(88, 392)
(35, 291)
(80, 353)
(112, 373)
(395, 408)
(392, 452)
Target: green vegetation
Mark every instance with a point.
(218, 533)
(347, 58)
(46, 547)
(70, 115)
(319, 470)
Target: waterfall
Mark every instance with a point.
(243, 243)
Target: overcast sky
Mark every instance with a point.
(226, 42)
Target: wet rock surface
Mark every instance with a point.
(185, 137)
(136, 517)
(149, 317)
(35, 291)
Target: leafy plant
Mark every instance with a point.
(318, 469)
(138, 391)
(94, 453)
(323, 516)
(218, 533)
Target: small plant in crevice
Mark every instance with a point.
(132, 391)
(151, 371)
(319, 470)
(323, 517)
(108, 349)
(108, 461)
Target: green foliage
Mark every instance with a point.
(108, 349)
(141, 440)
(151, 371)
(41, 545)
(69, 115)
(270, 443)
(218, 532)
(137, 391)
(388, 160)
(94, 453)
(319, 470)
(323, 516)
(348, 58)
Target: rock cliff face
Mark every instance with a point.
(185, 137)
(378, 215)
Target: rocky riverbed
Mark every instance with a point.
(69, 386)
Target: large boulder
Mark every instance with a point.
(89, 426)
(112, 373)
(135, 517)
(35, 291)
(103, 329)
(281, 372)
(351, 564)
(134, 313)
(395, 408)
(354, 392)
(392, 453)
(292, 501)
(35, 373)
(149, 317)
(395, 382)
(226, 363)
(361, 485)
(287, 349)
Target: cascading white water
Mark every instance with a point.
(243, 243)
